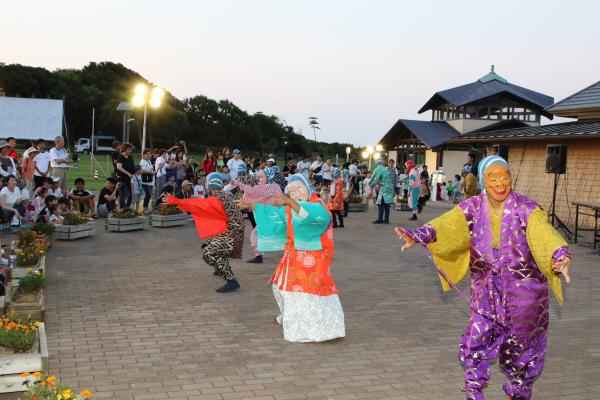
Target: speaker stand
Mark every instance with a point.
(556, 221)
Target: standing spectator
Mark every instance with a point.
(209, 164)
(270, 162)
(234, 164)
(317, 170)
(220, 162)
(137, 189)
(469, 174)
(160, 166)
(12, 153)
(83, 200)
(304, 167)
(354, 176)
(28, 167)
(147, 176)
(327, 172)
(114, 155)
(107, 199)
(367, 189)
(403, 184)
(425, 193)
(457, 193)
(10, 201)
(59, 161)
(289, 163)
(125, 171)
(7, 163)
(226, 155)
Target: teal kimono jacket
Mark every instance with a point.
(386, 187)
(309, 225)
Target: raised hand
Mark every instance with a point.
(282, 200)
(246, 204)
(408, 241)
(561, 267)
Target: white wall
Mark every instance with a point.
(453, 161)
(30, 118)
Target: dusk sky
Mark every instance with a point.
(356, 65)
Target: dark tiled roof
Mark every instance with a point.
(566, 130)
(472, 92)
(584, 99)
(432, 134)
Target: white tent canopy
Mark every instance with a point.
(30, 118)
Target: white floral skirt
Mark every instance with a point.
(308, 317)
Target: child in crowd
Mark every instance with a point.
(83, 201)
(54, 188)
(167, 190)
(56, 215)
(225, 174)
(172, 182)
(39, 201)
(44, 214)
(65, 204)
(450, 190)
(220, 160)
(137, 190)
(367, 190)
(199, 188)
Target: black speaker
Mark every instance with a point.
(501, 150)
(556, 158)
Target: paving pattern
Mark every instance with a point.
(135, 316)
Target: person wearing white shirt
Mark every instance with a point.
(317, 170)
(10, 200)
(59, 161)
(147, 171)
(234, 164)
(304, 167)
(42, 164)
(160, 166)
(327, 170)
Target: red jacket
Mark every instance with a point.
(209, 166)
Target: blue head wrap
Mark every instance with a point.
(268, 172)
(486, 162)
(242, 169)
(214, 180)
(302, 179)
(379, 161)
(336, 172)
(275, 169)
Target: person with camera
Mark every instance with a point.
(125, 171)
(107, 199)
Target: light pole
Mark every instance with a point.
(348, 150)
(142, 97)
(372, 152)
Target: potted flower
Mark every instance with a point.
(402, 204)
(169, 215)
(74, 226)
(356, 203)
(126, 220)
(24, 351)
(45, 231)
(29, 251)
(25, 301)
(47, 387)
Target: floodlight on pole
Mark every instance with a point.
(365, 155)
(379, 148)
(348, 151)
(142, 98)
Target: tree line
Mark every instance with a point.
(199, 120)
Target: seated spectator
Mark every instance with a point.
(187, 191)
(44, 213)
(107, 199)
(56, 215)
(83, 201)
(11, 202)
(39, 202)
(226, 175)
(199, 188)
(65, 204)
(54, 188)
(172, 181)
(167, 190)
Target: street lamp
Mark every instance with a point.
(348, 150)
(142, 97)
(372, 152)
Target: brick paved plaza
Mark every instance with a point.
(135, 316)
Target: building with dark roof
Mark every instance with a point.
(526, 149)
(491, 103)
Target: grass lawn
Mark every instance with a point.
(85, 170)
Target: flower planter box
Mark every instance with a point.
(25, 311)
(357, 207)
(21, 270)
(73, 232)
(12, 366)
(164, 221)
(49, 238)
(125, 224)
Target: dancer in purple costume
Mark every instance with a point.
(514, 255)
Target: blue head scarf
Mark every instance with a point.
(336, 172)
(275, 169)
(214, 180)
(242, 169)
(486, 162)
(302, 179)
